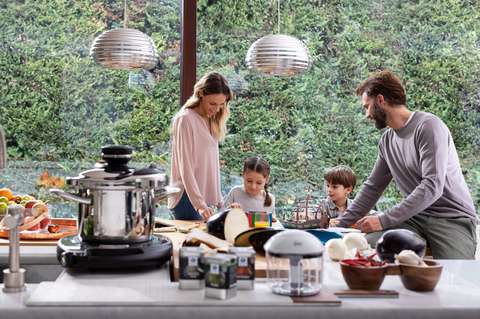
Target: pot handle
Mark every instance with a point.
(65, 195)
(166, 191)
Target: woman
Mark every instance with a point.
(196, 131)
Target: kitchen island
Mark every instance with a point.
(150, 294)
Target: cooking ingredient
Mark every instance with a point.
(361, 261)
(394, 241)
(3, 208)
(355, 241)
(6, 192)
(336, 249)
(220, 270)
(197, 237)
(45, 222)
(29, 219)
(245, 263)
(216, 224)
(39, 208)
(30, 203)
(190, 265)
(236, 222)
(409, 257)
(52, 228)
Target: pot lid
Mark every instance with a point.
(294, 243)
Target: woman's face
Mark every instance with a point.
(211, 104)
(254, 183)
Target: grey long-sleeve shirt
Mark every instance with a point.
(422, 159)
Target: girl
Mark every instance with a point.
(196, 131)
(253, 195)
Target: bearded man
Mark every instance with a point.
(418, 153)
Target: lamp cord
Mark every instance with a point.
(125, 16)
(278, 16)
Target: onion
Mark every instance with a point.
(336, 249)
(409, 257)
(355, 241)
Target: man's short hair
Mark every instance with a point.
(342, 175)
(385, 83)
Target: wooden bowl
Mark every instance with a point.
(419, 278)
(363, 278)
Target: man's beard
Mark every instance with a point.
(379, 116)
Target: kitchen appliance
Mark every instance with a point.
(294, 263)
(116, 214)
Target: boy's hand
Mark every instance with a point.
(369, 224)
(334, 222)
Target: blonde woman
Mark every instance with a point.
(196, 131)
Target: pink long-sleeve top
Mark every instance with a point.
(195, 166)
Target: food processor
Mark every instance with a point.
(294, 263)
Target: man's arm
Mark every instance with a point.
(371, 191)
(432, 145)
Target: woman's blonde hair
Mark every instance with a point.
(212, 83)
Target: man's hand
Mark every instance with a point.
(205, 212)
(369, 224)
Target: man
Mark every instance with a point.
(418, 153)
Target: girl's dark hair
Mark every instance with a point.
(261, 166)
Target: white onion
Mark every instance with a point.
(409, 257)
(355, 241)
(336, 249)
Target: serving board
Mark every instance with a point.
(68, 226)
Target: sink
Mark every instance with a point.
(36, 273)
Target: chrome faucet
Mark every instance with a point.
(14, 276)
(3, 149)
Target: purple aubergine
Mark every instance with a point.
(394, 241)
(216, 224)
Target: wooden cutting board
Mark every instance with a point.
(68, 226)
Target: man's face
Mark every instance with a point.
(373, 111)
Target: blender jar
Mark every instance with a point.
(294, 263)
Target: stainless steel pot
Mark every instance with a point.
(117, 203)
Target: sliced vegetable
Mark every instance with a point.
(216, 224)
(236, 222)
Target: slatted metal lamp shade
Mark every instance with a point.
(278, 54)
(124, 49)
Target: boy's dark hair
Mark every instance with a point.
(342, 175)
(260, 166)
(385, 83)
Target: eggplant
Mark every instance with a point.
(216, 224)
(394, 241)
(236, 223)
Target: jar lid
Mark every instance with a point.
(294, 243)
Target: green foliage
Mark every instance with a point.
(56, 104)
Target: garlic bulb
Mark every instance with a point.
(355, 241)
(336, 249)
(409, 257)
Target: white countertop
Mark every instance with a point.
(151, 295)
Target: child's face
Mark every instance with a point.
(254, 182)
(338, 193)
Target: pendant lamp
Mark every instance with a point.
(124, 48)
(278, 54)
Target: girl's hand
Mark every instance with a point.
(236, 205)
(334, 222)
(205, 212)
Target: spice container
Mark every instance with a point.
(220, 276)
(191, 272)
(245, 267)
(259, 219)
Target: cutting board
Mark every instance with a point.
(68, 227)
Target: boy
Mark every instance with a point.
(340, 182)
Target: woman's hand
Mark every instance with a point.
(205, 212)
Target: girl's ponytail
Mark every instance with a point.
(268, 198)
